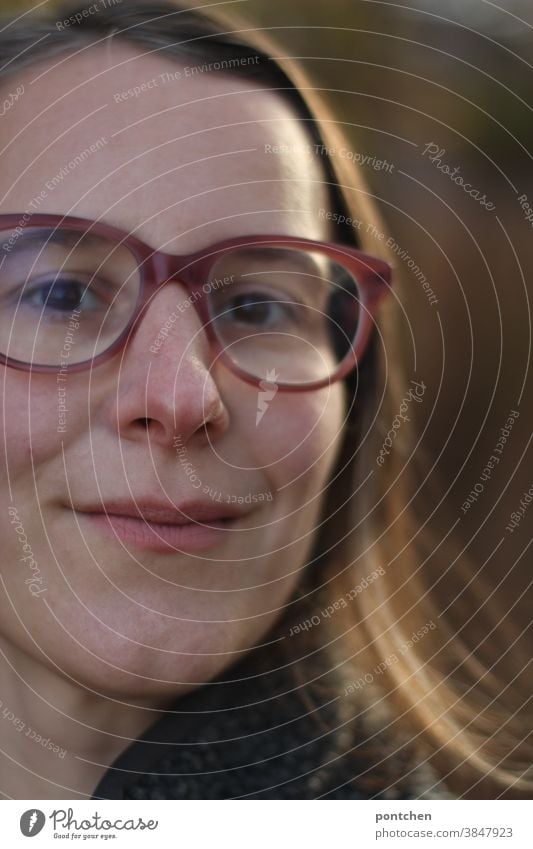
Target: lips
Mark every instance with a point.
(157, 526)
(162, 512)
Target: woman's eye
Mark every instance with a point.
(61, 295)
(257, 309)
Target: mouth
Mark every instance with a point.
(158, 527)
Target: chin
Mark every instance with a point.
(143, 679)
(122, 670)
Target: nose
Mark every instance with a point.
(165, 384)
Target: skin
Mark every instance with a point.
(120, 631)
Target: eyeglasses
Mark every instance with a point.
(287, 310)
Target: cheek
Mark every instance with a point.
(297, 451)
(30, 420)
(39, 417)
(299, 435)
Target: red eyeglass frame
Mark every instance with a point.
(372, 275)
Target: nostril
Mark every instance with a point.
(144, 423)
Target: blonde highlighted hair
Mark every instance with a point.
(442, 648)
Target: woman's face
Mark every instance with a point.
(186, 161)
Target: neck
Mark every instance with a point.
(58, 737)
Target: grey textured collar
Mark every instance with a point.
(256, 733)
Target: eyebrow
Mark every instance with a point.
(60, 236)
(291, 258)
(272, 253)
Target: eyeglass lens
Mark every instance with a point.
(288, 314)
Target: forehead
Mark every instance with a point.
(179, 152)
